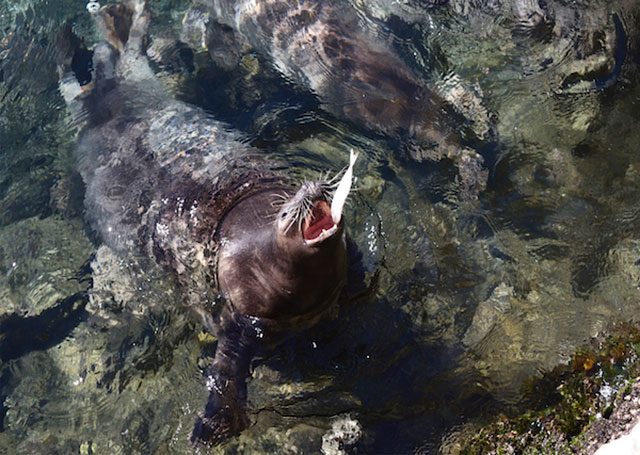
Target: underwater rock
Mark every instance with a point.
(571, 409)
(65, 195)
(127, 282)
(270, 436)
(624, 262)
(271, 385)
(273, 434)
(116, 380)
(617, 290)
(41, 262)
(619, 433)
(202, 32)
(488, 314)
(542, 67)
(194, 27)
(286, 392)
(468, 100)
(35, 177)
(171, 56)
(581, 42)
(123, 359)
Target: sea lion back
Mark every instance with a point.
(138, 148)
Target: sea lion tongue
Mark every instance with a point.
(318, 224)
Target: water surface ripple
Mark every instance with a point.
(474, 297)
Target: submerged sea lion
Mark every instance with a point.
(322, 46)
(164, 177)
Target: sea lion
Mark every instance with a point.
(323, 47)
(163, 177)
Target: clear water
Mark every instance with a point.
(474, 297)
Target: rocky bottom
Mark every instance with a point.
(574, 409)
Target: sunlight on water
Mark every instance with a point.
(472, 295)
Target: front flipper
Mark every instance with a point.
(224, 415)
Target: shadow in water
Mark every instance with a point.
(20, 336)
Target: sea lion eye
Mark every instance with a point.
(284, 214)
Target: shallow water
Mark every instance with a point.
(474, 296)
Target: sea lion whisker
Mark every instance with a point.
(290, 220)
(333, 181)
(327, 194)
(305, 209)
(300, 181)
(302, 212)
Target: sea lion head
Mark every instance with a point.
(304, 220)
(282, 256)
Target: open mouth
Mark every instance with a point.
(318, 225)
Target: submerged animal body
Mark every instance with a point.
(322, 46)
(163, 177)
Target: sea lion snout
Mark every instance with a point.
(316, 210)
(306, 217)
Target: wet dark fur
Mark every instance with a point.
(164, 178)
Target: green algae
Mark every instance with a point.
(564, 401)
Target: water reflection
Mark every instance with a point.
(474, 297)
